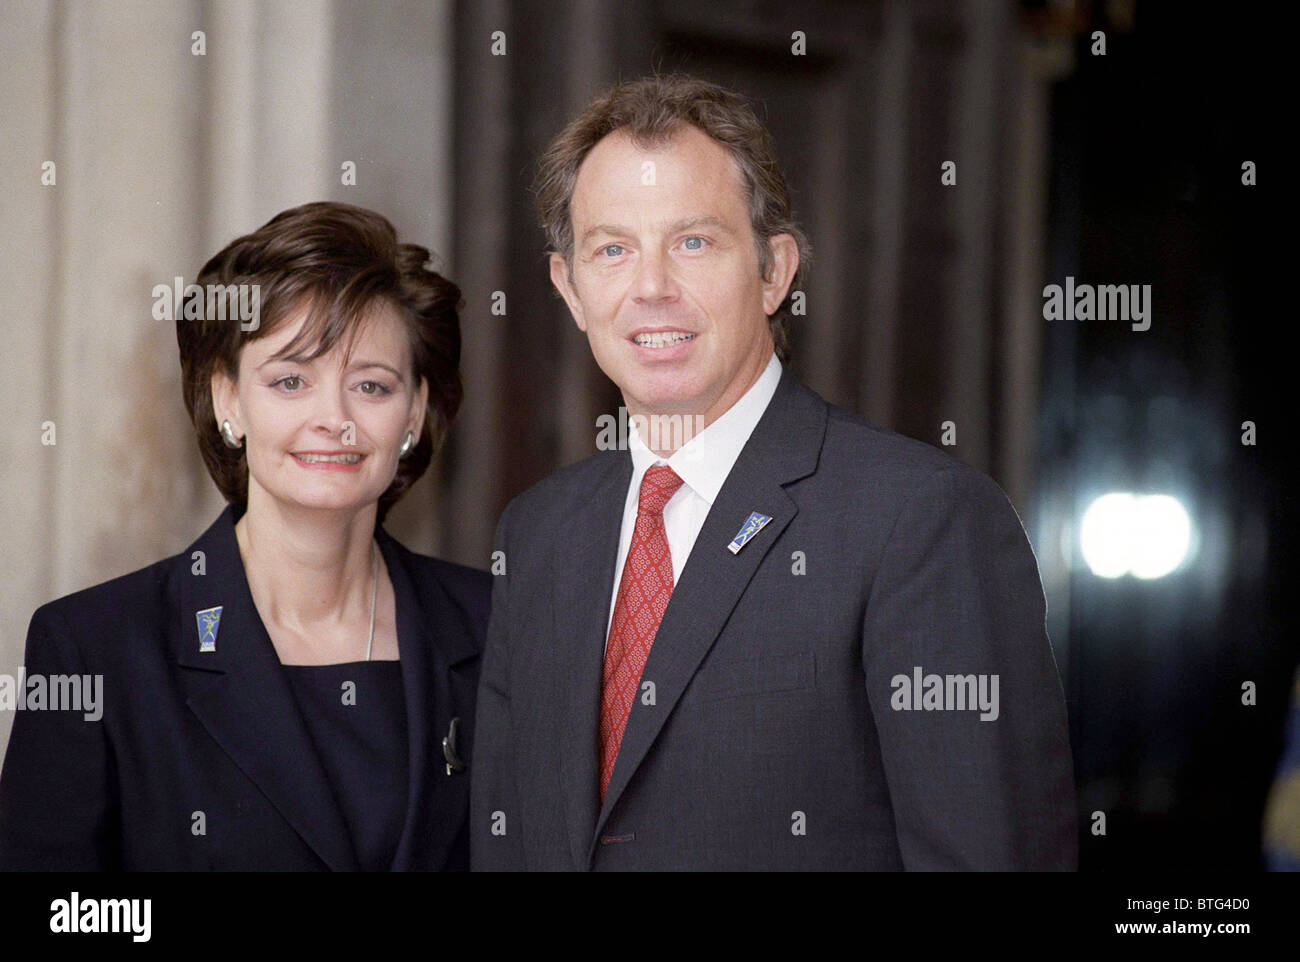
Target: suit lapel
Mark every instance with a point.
(241, 696)
(783, 448)
(437, 650)
(586, 551)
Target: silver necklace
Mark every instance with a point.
(374, 592)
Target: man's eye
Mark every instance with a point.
(694, 243)
(612, 250)
(290, 382)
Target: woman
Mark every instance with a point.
(295, 689)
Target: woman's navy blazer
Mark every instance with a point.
(201, 759)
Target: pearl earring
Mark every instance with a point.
(228, 435)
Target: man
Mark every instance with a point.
(795, 641)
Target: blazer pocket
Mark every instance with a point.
(755, 676)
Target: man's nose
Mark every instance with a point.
(654, 278)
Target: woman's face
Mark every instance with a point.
(318, 434)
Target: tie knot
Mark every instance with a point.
(657, 487)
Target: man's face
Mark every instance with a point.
(324, 433)
(666, 283)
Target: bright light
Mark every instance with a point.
(1162, 535)
(1104, 535)
(1147, 536)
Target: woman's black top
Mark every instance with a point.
(356, 715)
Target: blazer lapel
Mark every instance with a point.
(437, 651)
(586, 548)
(241, 696)
(783, 448)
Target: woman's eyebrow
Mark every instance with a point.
(360, 365)
(286, 359)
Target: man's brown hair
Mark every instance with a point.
(339, 263)
(651, 111)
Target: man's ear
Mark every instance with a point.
(782, 263)
(560, 278)
(225, 402)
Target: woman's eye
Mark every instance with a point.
(290, 382)
(374, 387)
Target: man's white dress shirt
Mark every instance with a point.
(703, 464)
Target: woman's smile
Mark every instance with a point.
(329, 460)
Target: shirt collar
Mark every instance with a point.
(704, 461)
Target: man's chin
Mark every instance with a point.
(661, 398)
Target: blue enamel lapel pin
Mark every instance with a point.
(752, 526)
(209, 621)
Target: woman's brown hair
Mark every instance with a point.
(338, 262)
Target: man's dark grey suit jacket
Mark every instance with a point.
(775, 734)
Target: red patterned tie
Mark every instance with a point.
(643, 594)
